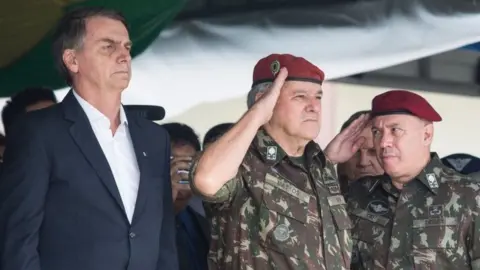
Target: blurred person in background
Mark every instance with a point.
(193, 232)
(364, 162)
(215, 133)
(30, 99)
(463, 163)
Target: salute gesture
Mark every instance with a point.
(266, 103)
(346, 143)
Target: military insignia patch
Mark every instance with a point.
(334, 189)
(435, 210)
(378, 207)
(432, 180)
(275, 67)
(272, 153)
(281, 233)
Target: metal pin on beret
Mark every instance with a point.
(299, 69)
(404, 102)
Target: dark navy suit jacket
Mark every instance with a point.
(60, 208)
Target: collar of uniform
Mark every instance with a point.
(272, 153)
(387, 185)
(372, 182)
(430, 175)
(94, 115)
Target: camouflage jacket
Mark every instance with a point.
(432, 223)
(277, 214)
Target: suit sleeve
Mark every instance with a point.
(168, 248)
(24, 184)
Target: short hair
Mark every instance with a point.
(259, 88)
(182, 134)
(18, 103)
(352, 118)
(71, 30)
(215, 132)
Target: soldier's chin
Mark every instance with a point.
(390, 168)
(310, 133)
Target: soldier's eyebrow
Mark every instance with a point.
(306, 92)
(299, 91)
(392, 125)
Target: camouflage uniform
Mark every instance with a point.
(278, 215)
(432, 223)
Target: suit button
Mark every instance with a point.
(132, 235)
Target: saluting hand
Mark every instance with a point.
(347, 142)
(266, 103)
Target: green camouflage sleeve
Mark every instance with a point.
(473, 239)
(225, 195)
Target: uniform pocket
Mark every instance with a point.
(434, 240)
(283, 215)
(343, 225)
(367, 233)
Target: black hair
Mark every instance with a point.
(71, 30)
(215, 132)
(182, 134)
(18, 103)
(352, 118)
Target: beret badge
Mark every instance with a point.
(275, 67)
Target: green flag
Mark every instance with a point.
(26, 28)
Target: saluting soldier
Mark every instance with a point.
(420, 214)
(272, 192)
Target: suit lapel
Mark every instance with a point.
(83, 135)
(140, 145)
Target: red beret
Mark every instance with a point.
(298, 68)
(406, 102)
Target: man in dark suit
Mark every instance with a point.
(193, 229)
(85, 185)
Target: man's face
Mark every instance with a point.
(104, 57)
(399, 140)
(364, 162)
(298, 110)
(39, 105)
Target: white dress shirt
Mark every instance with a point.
(118, 150)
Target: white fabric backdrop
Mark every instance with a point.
(211, 60)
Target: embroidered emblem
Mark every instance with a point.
(275, 67)
(377, 207)
(272, 153)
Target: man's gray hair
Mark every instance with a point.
(259, 88)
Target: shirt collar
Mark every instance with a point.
(431, 174)
(94, 115)
(429, 177)
(272, 153)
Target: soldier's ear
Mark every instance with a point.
(428, 133)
